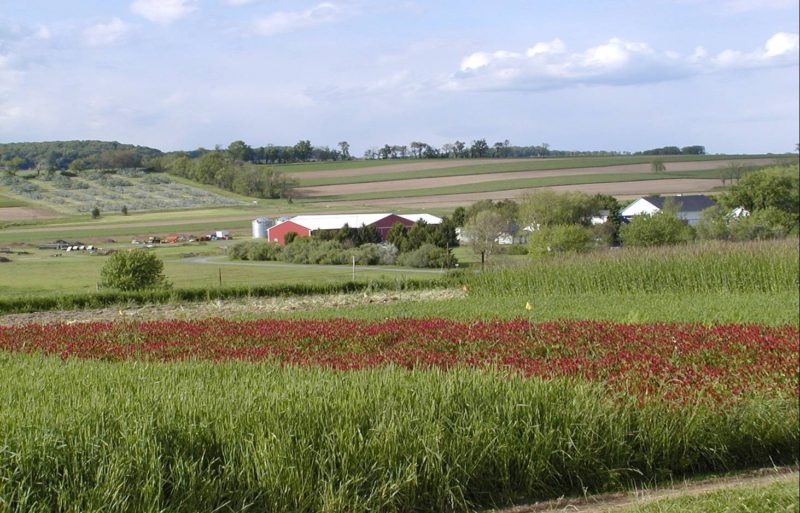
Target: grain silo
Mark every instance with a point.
(260, 225)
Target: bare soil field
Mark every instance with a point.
(26, 213)
(622, 190)
(614, 502)
(445, 181)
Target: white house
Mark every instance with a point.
(690, 206)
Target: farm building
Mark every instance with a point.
(304, 226)
(690, 206)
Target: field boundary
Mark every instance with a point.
(615, 501)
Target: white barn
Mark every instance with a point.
(690, 207)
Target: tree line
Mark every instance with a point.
(80, 155)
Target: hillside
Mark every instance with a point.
(60, 154)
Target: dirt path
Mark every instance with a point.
(448, 181)
(622, 190)
(607, 503)
(18, 213)
(229, 308)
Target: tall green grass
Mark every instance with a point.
(768, 267)
(84, 436)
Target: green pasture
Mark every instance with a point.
(42, 274)
(90, 436)
(520, 183)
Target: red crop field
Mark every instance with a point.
(673, 361)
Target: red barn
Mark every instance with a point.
(304, 226)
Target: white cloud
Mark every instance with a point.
(103, 34)
(163, 11)
(289, 21)
(550, 66)
(239, 2)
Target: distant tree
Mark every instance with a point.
(344, 148)
(124, 210)
(240, 151)
(459, 148)
(133, 270)
(459, 216)
(693, 150)
(483, 231)
(398, 235)
(713, 225)
(479, 148)
(303, 150)
(546, 207)
(657, 166)
(289, 238)
(95, 213)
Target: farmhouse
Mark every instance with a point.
(304, 226)
(690, 206)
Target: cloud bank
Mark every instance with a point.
(549, 65)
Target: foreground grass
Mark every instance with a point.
(191, 436)
(781, 496)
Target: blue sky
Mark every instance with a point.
(618, 75)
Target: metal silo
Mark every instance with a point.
(260, 226)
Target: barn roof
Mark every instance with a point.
(336, 221)
(685, 203)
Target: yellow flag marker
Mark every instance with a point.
(528, 306)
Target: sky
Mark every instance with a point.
(623, 75)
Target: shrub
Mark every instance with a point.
(767, 223)
(307, 250)
(569, 238)
(95, 213)
(133, 270)
(290, 237)
(374, 254)
(429, 256)
(655, 230)
(255, 250)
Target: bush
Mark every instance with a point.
(133, 270)
(95, 213)
(767, 223)
(429, 256)
(569, 238)
(374, 254)
(307, 250)
(655, 230)
(255, 250)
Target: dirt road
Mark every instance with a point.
(607, 503)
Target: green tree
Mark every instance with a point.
(344, 148)
(546, 208)
(303, 150)
(124, 210)
(479, 148)
(483, 231)
(713, 225)
(659, 229)
(763, 224)
(657, 166)
(133, 270)
(777, 187)
(398, 235)
(565, 238)
(95, 213)
(240, 151)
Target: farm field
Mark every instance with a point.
(42, 274)
(533, 380)
(315, 411)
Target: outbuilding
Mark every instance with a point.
(305, 226)
(690, 206)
